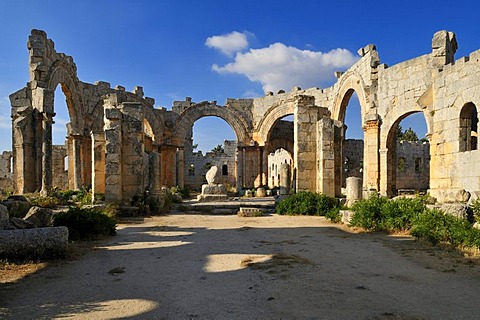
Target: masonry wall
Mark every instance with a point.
(6, 171)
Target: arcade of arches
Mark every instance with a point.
(121, 145)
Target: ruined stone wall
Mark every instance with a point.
(454, 168)
(413, 165)
(60, 172)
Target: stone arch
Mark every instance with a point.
(349, 83)
(65, 74)
(273, 114)
(389, 152)
(156, 125)
(186, 120)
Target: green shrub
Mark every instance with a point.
(398, 214)
(368, 213)
(437, 227)
(334, 215)
(307, 203)
(85, 223)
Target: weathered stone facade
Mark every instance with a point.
(112, 132)
(6, 173)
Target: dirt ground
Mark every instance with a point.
(227, 267)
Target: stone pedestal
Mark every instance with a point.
(213, 192)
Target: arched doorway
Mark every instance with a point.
(211, 141)
(279, 149)
(408, 155)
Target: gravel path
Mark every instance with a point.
(228, 267)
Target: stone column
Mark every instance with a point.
(98, 163)
(181, 167)
(385, 179)
(47, 122)
(155, 185)
(371, 156)
(77, 160)
(284, 179)
(325, 157)
(24, 156)
(113, 148)
(264, 173)
(239, 169)
(354, 190)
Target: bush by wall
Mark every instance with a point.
(85, 223)
(307, 203)
(437, 227)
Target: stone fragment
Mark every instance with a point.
(18, 223)
(17, 208)
(34, 243)
(39, 217)
(212, 175)
(458, 210)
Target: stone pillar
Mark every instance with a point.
(284, 179)
(24, 155)
(326, 157)
(385, 167)
(113, 148)
(98, 163)
(132, 150)
(168, 167)
(371, 156)
(180, 167)
(239, 165)
(264, 165)
(338, 141)
(354, 190)
(76, 141)
(252, 167)
(47, 168)
(155, 185)
(305, 143)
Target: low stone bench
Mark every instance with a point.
(50, 242)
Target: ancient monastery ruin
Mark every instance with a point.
(121, 145)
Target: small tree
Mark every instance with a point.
(407, 135)
(218, 149)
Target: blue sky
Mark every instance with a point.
(211, 50)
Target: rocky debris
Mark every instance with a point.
(18, 223)
(39, 217)
(34, 243)
(4, 217)
(17, 206)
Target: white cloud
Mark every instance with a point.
(283, 67)
(228, 43)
